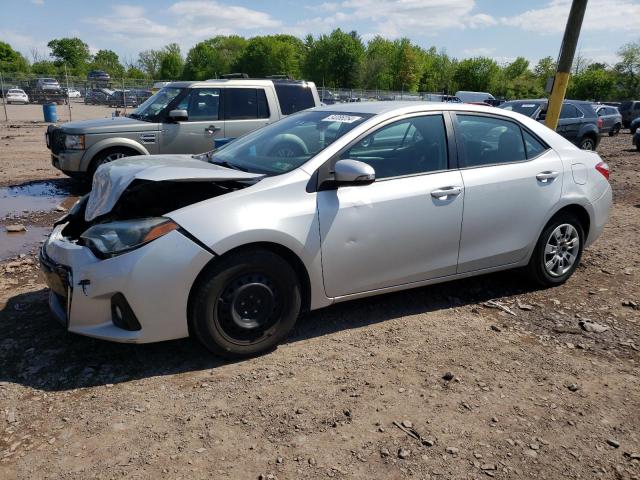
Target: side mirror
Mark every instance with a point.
(354, 172)
(179, 115)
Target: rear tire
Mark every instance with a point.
(587, 143)
(615, 130)
(245, 304)
(558, 251)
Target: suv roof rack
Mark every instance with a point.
(229, 76)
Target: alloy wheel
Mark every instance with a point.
(561, 250)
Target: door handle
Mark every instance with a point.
(443, 193)
(211, 129)
(546, 177)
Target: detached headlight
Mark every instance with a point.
(74, 142)
(115, 238)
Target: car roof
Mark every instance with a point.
(259, 82)
(377, 108)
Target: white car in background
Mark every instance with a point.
(16, 95)
(73, 93)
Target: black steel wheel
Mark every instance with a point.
(245, 303)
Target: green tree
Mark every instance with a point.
(377, 67)
(406, 66)
(594, 83)
(149, 62)
(544, 69)
(11, 60)
(335, 59)
(517, 68)
(477, 74)
(134, 72)
(628, 70)
(108, 61)
(271, 55)
(72, 51)
(45, 67)
(171, 62)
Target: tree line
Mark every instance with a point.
(340, 59)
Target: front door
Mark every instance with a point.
(512, 181)
(204, 123)
(404, 227)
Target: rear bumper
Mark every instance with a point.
(601, 210)
(154, 279)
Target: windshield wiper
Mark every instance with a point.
(226, 164)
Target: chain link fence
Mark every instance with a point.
(126, 93)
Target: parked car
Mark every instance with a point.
(119, 99)
(232, 245)
(471, 97)
(98, 76)
(47, 84)
(98, 97)
(636, 139)
(183, 117)
(611, 119)
(578, 121)
(630, 110)
(635, 124)
(16, 95)
(71, 92)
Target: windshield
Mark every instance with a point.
(287, 144)
(525, 108)
(155, 104)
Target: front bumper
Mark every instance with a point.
(155, 280)
(68, 160)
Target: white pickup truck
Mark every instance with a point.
(183, 117)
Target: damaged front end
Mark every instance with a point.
(125, 209)
(117, 266)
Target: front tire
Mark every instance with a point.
(557, 252)
(245, 304)
(109, 155)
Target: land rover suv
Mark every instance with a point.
(183, 117)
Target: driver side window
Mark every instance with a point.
(202, 104)
(406, 147)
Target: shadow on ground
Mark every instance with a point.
(37, 352)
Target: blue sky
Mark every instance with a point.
(464, 28)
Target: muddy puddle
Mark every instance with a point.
(36, 197)
(13, 244)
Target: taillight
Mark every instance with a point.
(603, 168)
(599, 122)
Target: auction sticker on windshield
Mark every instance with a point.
(341, 118)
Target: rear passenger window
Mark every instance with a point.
(245, 104)
(532, 145)
(636, 106)
(569, 111)
(294, 97)
(488, 140)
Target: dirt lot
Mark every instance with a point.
(518, 391)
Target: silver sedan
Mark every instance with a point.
(327, 205)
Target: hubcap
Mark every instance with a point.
(113, 156)
(587, 145)
(248, 307)
(561, 250)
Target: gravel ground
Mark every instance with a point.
(475, 378)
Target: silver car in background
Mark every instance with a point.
(232, 245)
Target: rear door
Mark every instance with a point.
(511, 181)
(195, 135)
(245, 109)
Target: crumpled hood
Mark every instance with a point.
(109, 125)
(112, 179)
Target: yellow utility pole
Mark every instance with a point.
(565, 60)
